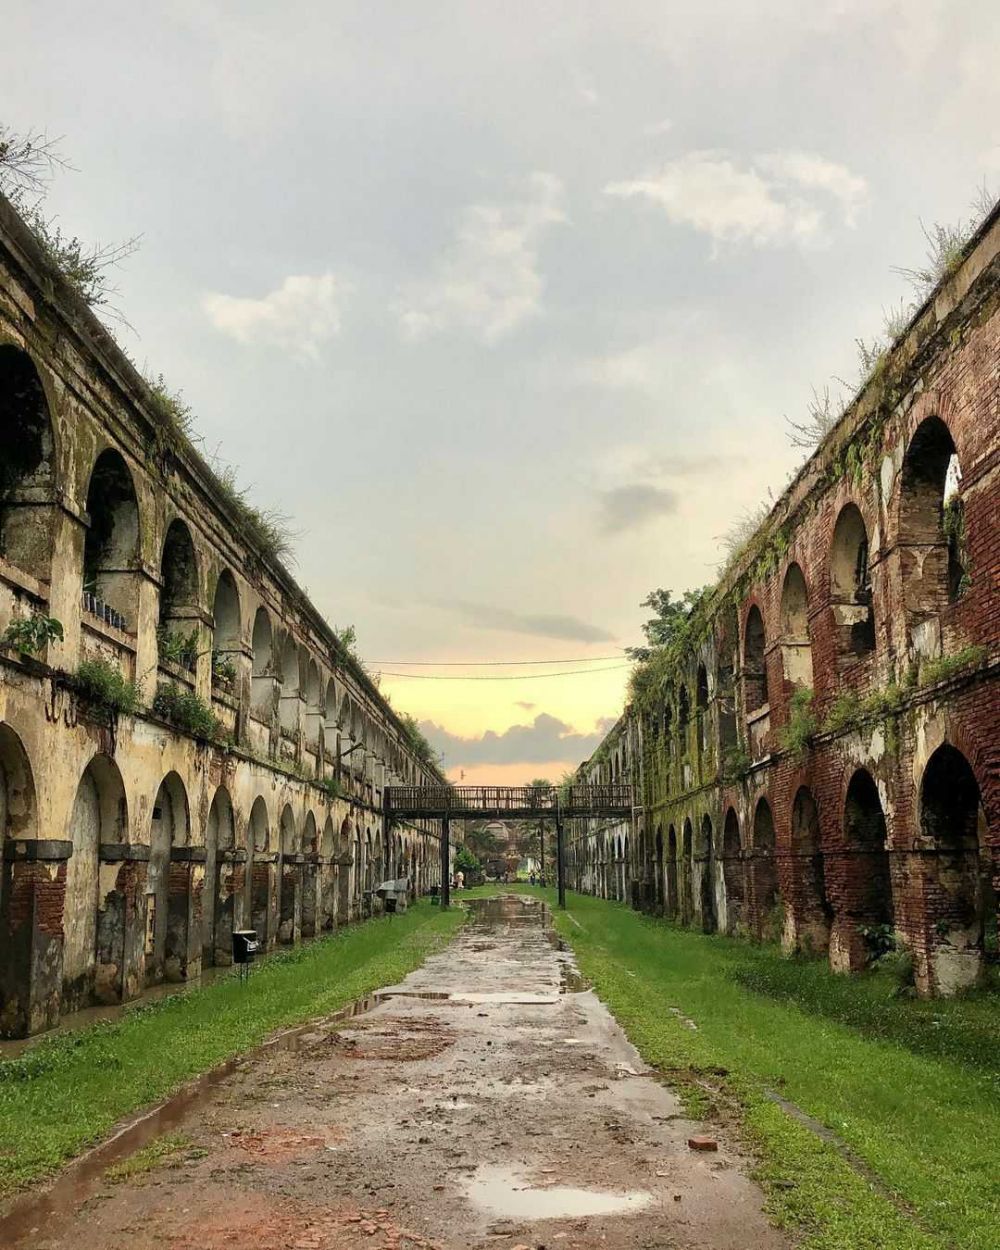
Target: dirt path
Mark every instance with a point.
(489, 1100)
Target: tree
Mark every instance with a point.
(669, 616)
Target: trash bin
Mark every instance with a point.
(245, 946)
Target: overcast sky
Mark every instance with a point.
(505, 303)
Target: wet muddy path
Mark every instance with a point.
(488, 1100)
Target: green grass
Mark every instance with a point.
(69, 1090)
(149, 1157)
(912, 1088)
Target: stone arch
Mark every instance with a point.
(673, 898)
(179, 575)
(754, 662)
(767, 896)
(706, 856)
(810, 907)
(290, 899)
(220, 894)
(27, 464)
(17, 788)
(346, 853)
(327, 889)
(262, 681)
(868, 883)
(851, 584)
(659, 901)
(111, 545)
(701, 706)
(687, 872)
(668, 725)
(796, 650)
(963, 903)
(289, 685)
(931, 519)
(314, 704)
(732, 873)
(263, 872)
(169, 884)
(683, 717)
(227, 621)
(99, 817)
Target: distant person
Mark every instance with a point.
(531, 878)
(460, 880)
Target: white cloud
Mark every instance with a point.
(488, 282)
(300, 315)
(776, 198)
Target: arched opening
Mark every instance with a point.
(327, 892)
(658, 885)
(178, 624)
(226, 632)
(99, 816)
(687, 873)
(931, 518)
(869, 885)
(668, 728)
(754, 665)
(290, 911)
(725, 699)
(263, 874)
(732, 873)
(289, 686)
(706, 858)
(701, 703)
(673, 894)
(111, 546)
(314, 710)
(796, 653)
(851, 584)
(810, 907)
(20, 1009)
(346, 852)
(964, 917)
(310, 877)
(767, 897)
(169, 899)
(220, 844)
(263, 695)
(683, 719)
(27, 465)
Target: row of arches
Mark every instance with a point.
(144, 891)
(285, 679)
(929, 535)
(843, 882)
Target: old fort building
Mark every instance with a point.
(185, 745)
(816, 756)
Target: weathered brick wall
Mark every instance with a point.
(897, 716)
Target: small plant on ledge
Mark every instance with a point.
(223, 670)
(333, 788)
(180, 649)
(31, 634)
(736, 764)
(103, 686)
(186, 711)
(796, 736)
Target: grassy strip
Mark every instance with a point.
(68, 1091)
(923, 1115)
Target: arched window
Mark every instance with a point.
(262, 702)
(289, 686)
(99, 817)
(953, 822)
(27, 463)
(178, 625)
(683, 718)
(851, 584)
(754, 665)
(796, 653)
(167, 950)
(219, 899)
(732, 873)
(706, 859)
(765, 873)
(226, 630)
(314, 710)
(111, 547)
(869, 885)
(810, 907)
(701, 703)
(725, 699)
(290, 904)
(687, 873)
(931, 518)
(263, 873)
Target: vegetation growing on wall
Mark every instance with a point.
(30, 634)
(187, 711)
(796, 736)
(103, 686)
(418, 743)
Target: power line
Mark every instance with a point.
(577, 672)
(583, 659)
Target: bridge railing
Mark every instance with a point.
(462, 801)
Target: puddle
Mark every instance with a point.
(512, 998)
(505, 1193)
